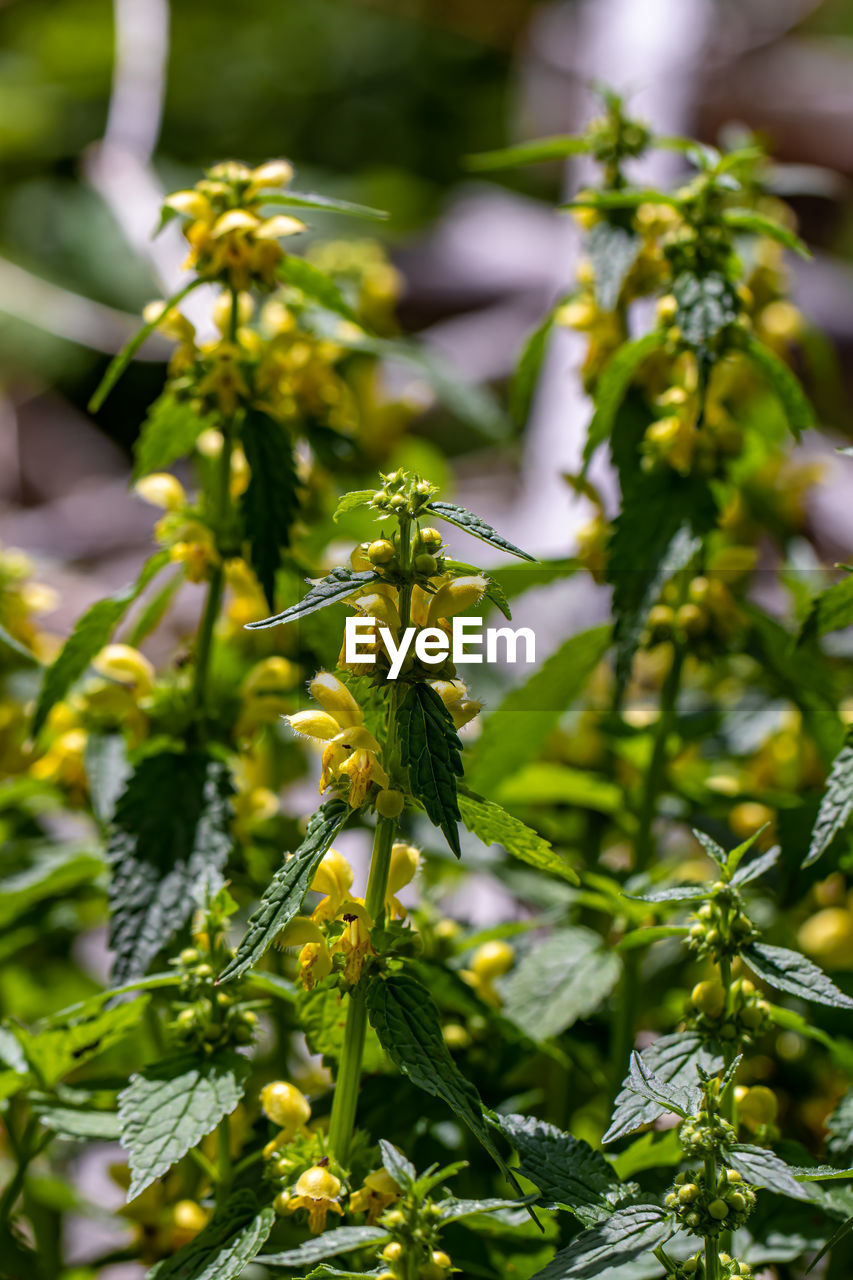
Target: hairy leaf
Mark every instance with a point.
(757, 867)
(81, 1124)
(674, 1059)
(789, 971)
(270, 502)
(168, 1108)
(172, 827)
(564, 978)
(328, 1245)
(613, 251)
(612, 387)
(619, 1239)
(286, 891)
(493, 825)
(516, 730)
(836, 804)
(671, 1098)
(168, 433)
(565, 1169)
(394, 1162)
(763, 1168)
(706, 305)
(408, 1024)
(351, 501)
(92, 631)
(477, 527)
(229, 1242)
(332, 589)
(432, 755)
(839, 1126)
(784, 384)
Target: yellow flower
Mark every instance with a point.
(283, 1103)
(490, 961)
(62, 763)
(336, 699)
(354, 943)
(162, 490)
(315, 961)
(126, 665)
(404, 864)
(455, 597)
(317, 1191)
(454, 695)
(375, 1195)
(333, 878)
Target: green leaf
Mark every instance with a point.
(332, 589)
(789, 971)
(757, 867)
(477, 527)
(62, 1044)
(831, 610)
(673, 1099)
(622, 199)
(168, 433)
(172, 828)
(118, 365)
(549, 783)
(555, 148)
(431, 753)
(80, 1124)
(107, 771)
(408, 1024)
(154, 611)
(527, 370)
(836, 803)
(10, 642)
(233, 1237)
(707, 304)
(564, 1168)
(322, 1016)
(351, 501)
(270, 503)
(613, 251)
(649, 934)
(330, 1244)
(612, 387)
(747, 220)
(564, 978)
(455, 1210)
(835, 1239)
(92, 631)
(309, 200)
(394, 1162)
(784, 384)
(517, 729)
(286, 891)
(675, 1060)
(839, 1126)
(168, 1108)
(618, 1240)
(493, 825)
(43, 870)
(763, 1168)
(317, 286)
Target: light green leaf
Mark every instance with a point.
(92, 631)
(270, 503)
(789, 971)
(331, 1244)
(332, 589)
(527, 370)
(784, 384)
(310, 200)
(10, 642)
(51, 870)
(613, 251)
(649, 934)
(431, 754)
(748, 220)
(403, 1014)
(673, 1099)
(351, 501)
(612, 387)
(477, 527)
(564, 1168)
(61, 1045)
(172, 827)
(493, 825)
(81, 1124)
(707, 304)
(836, 803)
(546, 782)
(516, 730)
(168, 433)
(286, 891)
(107, 771)
(557, 147)
(564, 978)
(619, 1239)
(763, 1168)
(228, 1243)
(168, 1108)
(317, 286)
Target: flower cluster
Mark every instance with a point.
(708, 1210)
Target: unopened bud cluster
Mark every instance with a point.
(706, 1211)
(705, 1134)
(721, 928)
(738, 1019)
(206, 1017)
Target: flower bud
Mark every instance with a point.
(314, 724)
(127, 665)
(275, 173)
(162, 490)
(283, 1103)
(336, 699)
(455, 597)
(493, 959)
(382, 551)
(389, 804)
(709, 998)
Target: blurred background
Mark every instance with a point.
(107, 104)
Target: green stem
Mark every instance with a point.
(711, 1255)
(644, 845)
(223, 1158)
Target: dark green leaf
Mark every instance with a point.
(118, 365)
(394, 1162)
(233, 1237)
(516, 730)
(784, 384)
(330, 1244)
(831, 610)
(565, 1169)
(527, 370)
(154, 610)
(675, 1060)
(619, 1239)
(789, 971)
(270, 503)
(493, 825)
(839, 1126)
(706, 305)
(613, 384)
(757, 867)
(92, 631)
(62, 1044)
(40, 870)
(748, 220)
(317, 286)
(332, 589)
(564, 978)
(836, 804)
(674, 1099)
(168, 1108)
(107, 771)
(613, 251)
(286, 891)
(407, 1022)
(474, 525)
(555, 148)
(456, 1210)
(172, 828)
(168, 433)
(309, 200)
(432, 756)
(763, 1168)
